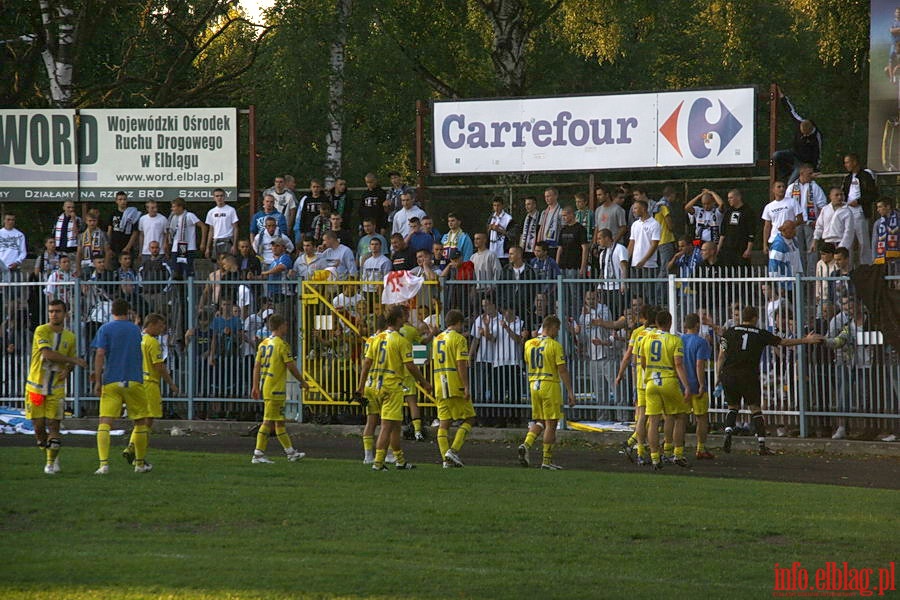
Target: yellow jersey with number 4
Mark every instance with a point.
(448, 348)
(272, 356)
(543, 356)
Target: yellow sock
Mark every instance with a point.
(529, 439)
(131, 441)
(701, 447)
(443, 442)
(141, 436)
(401, 460)
(103, 443)
(679, 451)
(52, 452)
(642, 450)
(461, 434)
(368, 443)
(667, 449)
(262, 438)
(548, 453)
(417, 425)
(284, 438)
(632, 440)
(379, 457)
(654, 456)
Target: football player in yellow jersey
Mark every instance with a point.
(370, 388)
(415, 414)
(639, 435)
(273, 361)
(154, 369)
(545, 360)
(393, 359)
(450, 357)
(662, 357)
(52, 359)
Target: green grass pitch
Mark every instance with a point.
(213, 526)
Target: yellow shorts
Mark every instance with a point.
(451, 409)
(274, 410)
(375, 398)
(130, 393)
(666, 398)
(392, 405)
(50, 408)
(154, 400)
(642, 396)
(546, 400)
(409, 384)
(700, 403)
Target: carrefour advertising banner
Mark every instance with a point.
(580, 133)
(55, 155)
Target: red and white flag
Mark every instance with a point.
(400, 286)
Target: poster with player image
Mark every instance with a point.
(884, 86)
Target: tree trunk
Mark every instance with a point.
(511, 31)
(334, 137)
(59, 39)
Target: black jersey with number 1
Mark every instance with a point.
(743, 346)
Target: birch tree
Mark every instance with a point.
(59, 34)
(334, 148)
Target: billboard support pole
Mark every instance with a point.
(251, 133)
(420, 152)
(591, 193)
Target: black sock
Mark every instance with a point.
(759, 426)
(731, 418)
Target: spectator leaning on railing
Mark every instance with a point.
(152, 227)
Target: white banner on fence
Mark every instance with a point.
(150, 153)
(574, 133)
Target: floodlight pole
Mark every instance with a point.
(773, 130)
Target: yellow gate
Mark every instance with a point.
(337, 317)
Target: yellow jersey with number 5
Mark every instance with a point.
(273, 355)
(448, 348)
(543, 356)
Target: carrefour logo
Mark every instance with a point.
(700, 130)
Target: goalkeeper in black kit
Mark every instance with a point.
(738, 371)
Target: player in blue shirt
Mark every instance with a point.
(696, 355)
(119, 378)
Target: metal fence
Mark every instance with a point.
(214, 327)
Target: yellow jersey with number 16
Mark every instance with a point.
(543, 355)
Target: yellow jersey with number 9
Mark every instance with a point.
(449, 347)
(658, 350)
(273, 355)
(543, 355)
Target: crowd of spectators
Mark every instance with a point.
(500, 270)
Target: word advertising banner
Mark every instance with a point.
(56, 155)
(582, 133)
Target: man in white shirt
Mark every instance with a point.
(777, 212)
(152, 227)
(497, 226)
(222, 220)
(407, 211)
(642, 244)
(262, 242)
(595, 345)
(810, 201)
(613, 268)
(13, 249)
(834, 225)
(285, 201)
(183, 227)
